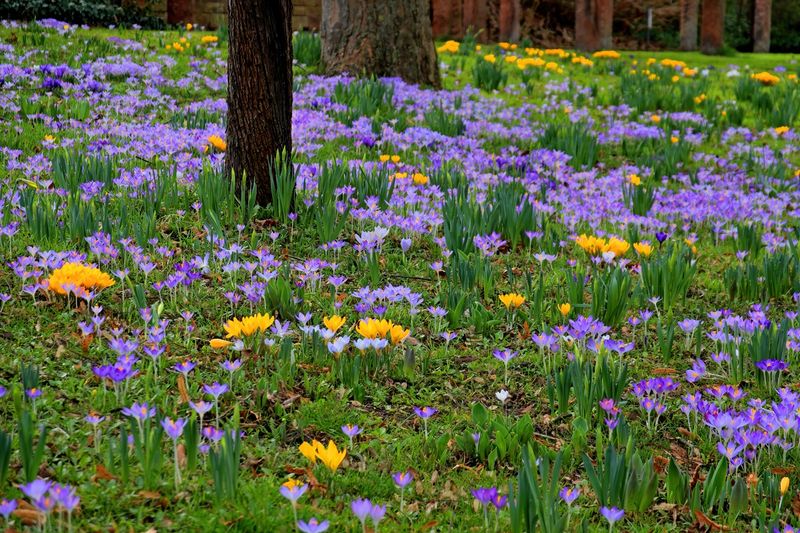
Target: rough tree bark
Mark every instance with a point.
(689, 18)
(712, 29)
(259, 89)
(381, 38)
(593, 24)
(762, 25)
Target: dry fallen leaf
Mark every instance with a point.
(181, 456)
(184, 393)
(102, 473)
(706, 521)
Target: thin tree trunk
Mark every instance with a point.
(593, 24)
(762, 25)
(509, 20)
(712, 29)
(605, 23)
(381, 38)
(259, 89)
(476, 16)
(689, 19)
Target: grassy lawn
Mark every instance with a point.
(556, 272)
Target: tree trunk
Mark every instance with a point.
(712, 30)
(446, 18)
(762, 25)
(689, 16)
(593, 24)
(476, 17)
(179, 11)
(605, 23)
(509, 20)
(259, 89)
(380, 38)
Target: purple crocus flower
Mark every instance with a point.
(425, 412)
(505, 355)
(213, 434)
(361, 508)
(484, 494)
(69, 499)
(612, 514)
(184, 367)
(173, 428)
(499, 501)
(216, 389)
(293, 491)
(94, 419)
(402, 479)
(36, 488)
(313, 526)
(569, 494)
(231, 366)
(771, 365)
(351, 430)
(201, 407)
(140, 412)
(7, 507)
(376, 514)
(33, 393)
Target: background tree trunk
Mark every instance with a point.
(259, 89)
(605, 23)
(689, 16)
(179, 11)
(712, 30)
(509, 17)
(593, 24)
(762, 25)
(476, 17)
(381, 38)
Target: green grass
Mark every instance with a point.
(279, 410)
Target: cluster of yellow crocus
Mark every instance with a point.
(597, 245)
(218, 142)
(449, 46)
(512, 300)
(385, 158)
(527, 62)
(634, 180)
(77, 276)
(673, 63)
(331, 457)
(248, 326)
(765, 78)
(334, 322)
(606, 54)
(642, 248)
(580, 60)
(371, 328)
(180, 45)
